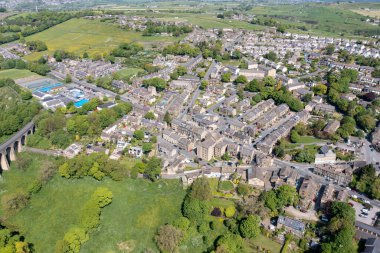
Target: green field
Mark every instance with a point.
(139, 207)
(16, 73)
(91, 36)
(322, 19)
(127, 73)
(266, 243)
(309, 139)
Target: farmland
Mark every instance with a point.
(318, 19)
(91, 36)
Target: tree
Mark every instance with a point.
(226, 77)
(294, 136)
(102, 197)
(203, 85)
(150, 116)
(241, 79)
(272, 56)
(201, 189)
(367, 122)
(182, 223)
(286, 195)
(230, 211)
(74, 239)
(250, 226)
(243, 189)
(153, 168)
(376, 73)
(194, 209)
(139, 134)
(68, 79)
(147, 147)
(157, 82)
(168, 238)
(330, 48)
(167, 118)
(320, 89)
(226, 157)
(231, 243)
(305, 156)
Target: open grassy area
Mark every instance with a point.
(127, 73)
(16, 73)
(266, 243)
(91, 36)
(309, 139)
(139, 207)
(323, 19)
(137, 210)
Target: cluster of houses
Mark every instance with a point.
(83, 68)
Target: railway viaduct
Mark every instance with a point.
(14, 145)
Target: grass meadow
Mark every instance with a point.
(16, 73)
(138, 208)
(91, 36)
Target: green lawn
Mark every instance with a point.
(127, 73)
(309, 139)
(266, 243)
(16, 73)
(92, 36)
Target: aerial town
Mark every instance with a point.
(276, 131)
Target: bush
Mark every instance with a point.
(230, 211)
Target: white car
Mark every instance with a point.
(354, 196)
(367, 202)
(363, 215)
(364, 210)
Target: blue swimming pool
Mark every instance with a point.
(80, 103)
(50, 87)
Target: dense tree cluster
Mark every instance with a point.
(13, 242)
(15, 112)
(341, 229)
(127, 50)
(153, 28)
(36, 45)
(339, 83)
(366, 181)
(96, 165)
(268, 88)
(181, 49)
(277, 199)
(159, 83)
(38, 67)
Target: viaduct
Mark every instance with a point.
(14, 145)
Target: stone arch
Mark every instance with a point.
(23, 139)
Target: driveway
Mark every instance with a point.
(310, 215)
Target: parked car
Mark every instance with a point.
(363, 215)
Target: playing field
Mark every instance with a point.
(91, 36)
(16, 73)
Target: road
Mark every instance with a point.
(264, 133)
(16, 136)
(191, 104)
